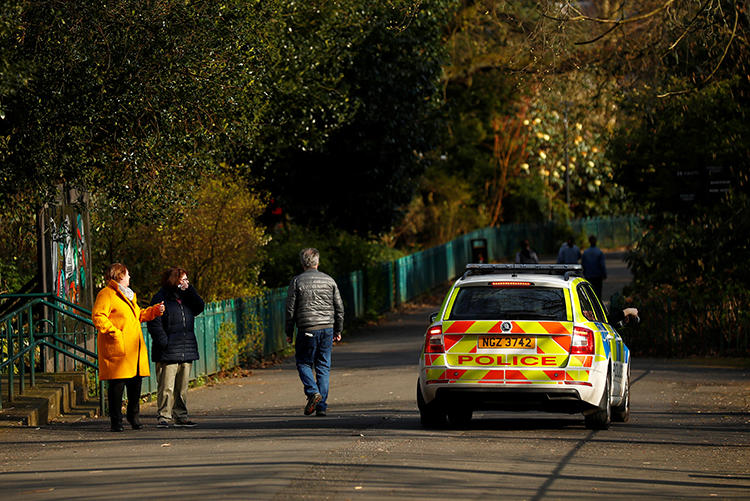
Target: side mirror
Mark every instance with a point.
(433, 316)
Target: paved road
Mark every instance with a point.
(688, 438)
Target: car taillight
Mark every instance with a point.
(583, 341)
(433, 342)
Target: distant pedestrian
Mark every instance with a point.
(569, 252)
(314, 305)
(174, 346)
(594, 268)
(122, 353)
(526, 255)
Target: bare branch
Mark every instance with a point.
(718, 64)
(581, 17)
(726, 49)
(593, 40)
(691, 23)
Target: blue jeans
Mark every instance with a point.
(313, 355)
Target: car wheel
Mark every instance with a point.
(460, 417)
(431, 415)
(602, 416)
(621, 413)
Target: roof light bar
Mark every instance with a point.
(567, 270)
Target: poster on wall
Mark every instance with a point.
(69, 248)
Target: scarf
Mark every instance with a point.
(127, 292)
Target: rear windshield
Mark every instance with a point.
(498, 303)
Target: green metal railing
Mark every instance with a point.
(371, 291)
(42, 321)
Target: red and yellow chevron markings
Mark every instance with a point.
(503, 360)
(507, 376)
(549, 362)
(552, 343)
(581, 361)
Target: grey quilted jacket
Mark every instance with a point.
(313, 302)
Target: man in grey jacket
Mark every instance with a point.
(314, 304)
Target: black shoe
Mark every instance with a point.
(136, 426)
(312, 401)
(184, 424)
(320, 413)
(117, 427)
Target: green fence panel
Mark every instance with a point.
(380, 288)
(352, 289)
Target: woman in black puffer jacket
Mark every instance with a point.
(174, 346)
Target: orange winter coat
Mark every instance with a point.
(120, 345)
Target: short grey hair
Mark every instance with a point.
(309, 257)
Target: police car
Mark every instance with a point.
(523, 337)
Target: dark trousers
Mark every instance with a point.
(596, 283)
(114, 396)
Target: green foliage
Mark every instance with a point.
(340, 253)
(560, 133)
(389, 67)
(253, 337)
(497, 78)
(17, 246)
(445, 207)
(112, 95)
(664, 150)
(217, 240)
(485, 144)
(527, 201)
(691, 281)
(227, 346)
(134, 101)
(234, 352)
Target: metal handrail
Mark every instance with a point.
(40, 296)
(24, 333)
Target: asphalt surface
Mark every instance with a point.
(688, 437)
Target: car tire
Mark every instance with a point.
(431, 415)
(621, 413)
(460, 418)
(602, 416)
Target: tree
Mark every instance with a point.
(367, 167)
(109, 100)
(484, 144)
(134, 100)
(218, 240)
(679, 149)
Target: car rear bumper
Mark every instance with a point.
(564, 400)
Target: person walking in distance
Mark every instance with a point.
(174, 346)
(594, 268)
(314, 305)
(569, 252)
(526, 255)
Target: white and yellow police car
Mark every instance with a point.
(523, 337)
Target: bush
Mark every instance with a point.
(340, 253)
(692, 284)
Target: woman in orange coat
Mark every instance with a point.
(123, 358)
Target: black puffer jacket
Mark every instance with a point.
(313, 301)
(173, 334)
